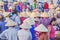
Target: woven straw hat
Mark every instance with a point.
(41, 28)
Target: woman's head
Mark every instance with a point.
(1, 17)
(53, 21)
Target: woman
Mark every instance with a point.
(10, 33)
(51, 30)
(31, 22)
(24, 33)
(2, 24)
(16, 19)
(44, 19)
(51, 9)
(6, 6)
(46, 6)
(36, 24)
(42, 30)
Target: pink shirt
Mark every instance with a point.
(52, 31)
(37, 34)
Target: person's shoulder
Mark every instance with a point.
(20, 30)
(5, 31)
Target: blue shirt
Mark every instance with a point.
(32, 31)
(2, 26)
(17, 8)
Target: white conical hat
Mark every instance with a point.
(41, 28)
(57, 9)
(33, 15)
(10, 7)
(5, 14)
(38, 14)
(44, 14)
(51, 5)
(30, 21)
(1, 3)
(10, 23)
(7, 19)
(23, 14)
(25, 26)
(35, 10)
(28, 13)
(15, 3)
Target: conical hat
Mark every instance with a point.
(38, 14)
(1, 3)
(30, 21)
(51, 6)
(35, 10)
(5, 14)
(44, 15)
(10, 23)
(33, 15)
(57, 9)
(10, 7)
(25, 26)
(23, 14)
(28, 13)
(15, 3)
(41, 28)
(7, 19)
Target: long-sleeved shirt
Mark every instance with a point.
(16, 19)
(24, 35)
(9, 34)
(45, 21)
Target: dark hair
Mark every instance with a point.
(1, 19)
(53, 19)
(14, 11)
(28, 3)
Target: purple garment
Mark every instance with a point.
(44, 21)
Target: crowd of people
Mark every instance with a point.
(29, 21)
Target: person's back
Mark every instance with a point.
(24, 35)
(9, 34)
